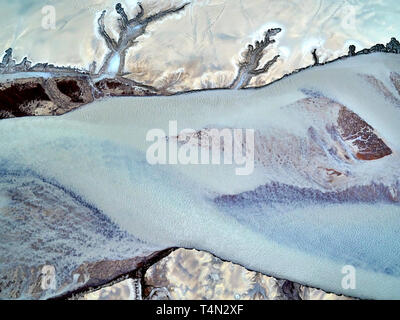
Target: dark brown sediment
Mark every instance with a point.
(362, 135)
(58, 95)
(18, 99)
(107, 272)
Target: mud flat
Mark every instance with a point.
(303, 141)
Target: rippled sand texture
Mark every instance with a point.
(324, 192)
(201, 46)
(326, 153)
(42, 224)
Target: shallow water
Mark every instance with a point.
(98, 153)
(44, 224)
(78, 188)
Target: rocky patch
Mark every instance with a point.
(362, 136)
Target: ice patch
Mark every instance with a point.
(114, 64)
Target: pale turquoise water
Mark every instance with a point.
(362, 21)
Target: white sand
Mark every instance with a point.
(98, 152)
